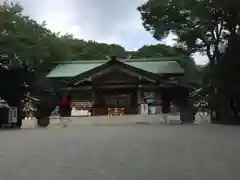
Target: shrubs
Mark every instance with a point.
(42, 116)
(44, 110)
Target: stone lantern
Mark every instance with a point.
(4, 112)
(29, 109)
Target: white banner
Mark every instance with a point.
(144, 109)
(13, 114)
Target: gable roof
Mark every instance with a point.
(156, 66)
(115, 65)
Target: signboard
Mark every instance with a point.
(152, 109)
(144, 109)
(13, 115)
(149, 95)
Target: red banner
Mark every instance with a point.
(65, 102)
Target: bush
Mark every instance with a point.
(44, 110)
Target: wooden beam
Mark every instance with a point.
(135, 74)
(117, 86)
(111, 69)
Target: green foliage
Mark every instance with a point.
(180, 55)
(159, 50)
(29, 50)
(211, 27)
(31, 42)
(91, 50)
(201, 25)
(24, 42)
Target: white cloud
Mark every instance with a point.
(170, 40)
(200, 59)
(110, 21)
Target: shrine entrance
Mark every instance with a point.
(115, 102)
(117, 88)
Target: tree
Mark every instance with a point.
(31, 42)
(27, 51)
(170, 53)
(91, 50)
(200, 25)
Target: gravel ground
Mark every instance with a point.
(132, 152)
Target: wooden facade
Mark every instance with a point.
(119, 90)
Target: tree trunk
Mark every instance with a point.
(187, 113)
(20, 117)
(43, 121)
(224, 111)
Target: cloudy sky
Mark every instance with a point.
(110, 21)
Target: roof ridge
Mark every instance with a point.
(121, 60)
(151, 59)
(154, 65)
(83, 61)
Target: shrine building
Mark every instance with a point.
(121, 86)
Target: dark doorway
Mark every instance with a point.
(115, 100)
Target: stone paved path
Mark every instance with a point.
(151, 152)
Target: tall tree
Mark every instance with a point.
(30, 42)
(167, 53)
(91, 50)
(200, 25)
(27, 51)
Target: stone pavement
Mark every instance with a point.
(185, 152)
(125, 120)
(110, 120)
(169, 119)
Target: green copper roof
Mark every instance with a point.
(72, 69)
(157, 66)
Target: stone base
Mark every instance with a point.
(29, 123)
(202, 119)
(172, 119)
(58, 122)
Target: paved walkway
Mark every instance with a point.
(135, 152)
(127, 119)
(116, 120)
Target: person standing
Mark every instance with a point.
(65, 110)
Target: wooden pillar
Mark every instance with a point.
(138, 100)
(64, 95)
(139, 97)
(93, 102)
